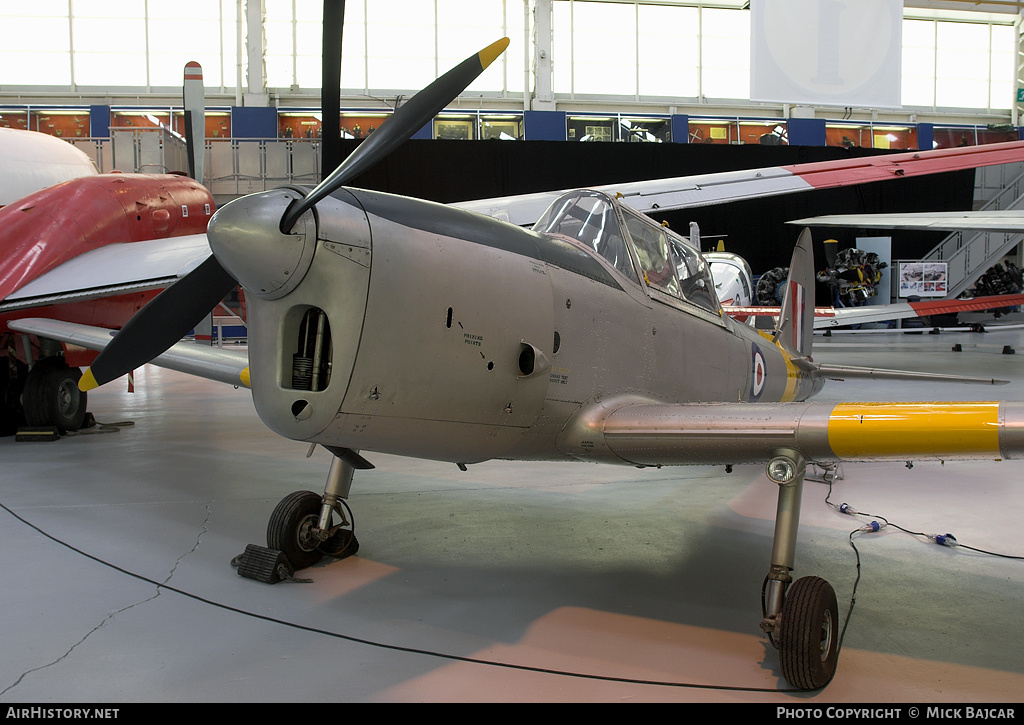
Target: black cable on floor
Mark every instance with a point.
(392, 647)
(947, 540)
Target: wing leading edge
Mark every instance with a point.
(1006, 220)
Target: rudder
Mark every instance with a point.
(796, 324)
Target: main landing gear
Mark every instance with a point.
(302, 525)
(51, 396)
(801, 618)
(45, 395)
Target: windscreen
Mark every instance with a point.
(589, 218)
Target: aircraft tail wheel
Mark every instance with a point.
(808, 633)
(291, 528)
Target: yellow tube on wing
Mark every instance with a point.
(645, 433)
(887, 430)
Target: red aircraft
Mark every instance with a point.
(62, 237)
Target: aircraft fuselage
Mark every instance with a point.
(454, 336)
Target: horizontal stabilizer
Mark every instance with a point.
(839, 372)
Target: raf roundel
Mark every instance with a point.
(758, 374)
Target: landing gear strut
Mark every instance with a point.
(302, 524)
(801, 618)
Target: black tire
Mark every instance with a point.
(289, 527)
(52, 397)
(12, 383)
(808, 634)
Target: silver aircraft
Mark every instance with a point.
(381, 323)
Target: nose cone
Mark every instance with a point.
(246, 239)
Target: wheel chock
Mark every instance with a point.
(37, 433)
(262, 564)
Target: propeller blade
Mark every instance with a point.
(402, 124)
(330, 96)
(161, 323)
(831, 249)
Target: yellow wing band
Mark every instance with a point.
(897, 430)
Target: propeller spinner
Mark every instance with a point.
(240, 238)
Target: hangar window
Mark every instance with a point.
(589, 217)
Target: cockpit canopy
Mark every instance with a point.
(589, 217)
(666, 261)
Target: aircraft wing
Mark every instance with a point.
(702, 190)
(223, 365)
(829, 317)
(647, 433)
(120, 268)
(950, 221)
(113, 269)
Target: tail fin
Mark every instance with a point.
(796, 326)
(194, 100)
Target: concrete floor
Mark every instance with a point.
(509, 582)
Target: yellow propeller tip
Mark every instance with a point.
(492, 51)
(87, 381)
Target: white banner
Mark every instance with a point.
(826, 52)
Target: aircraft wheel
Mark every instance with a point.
(808, 633)
(52, 397)
(12, 382)
(291, 528)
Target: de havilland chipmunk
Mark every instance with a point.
(386, 324)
